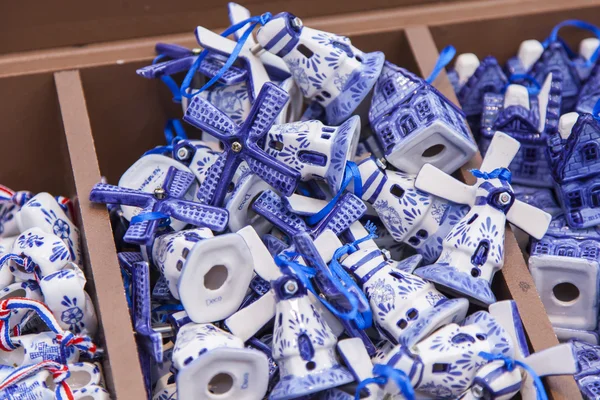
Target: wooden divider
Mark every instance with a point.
(121, 367)
(515, 274)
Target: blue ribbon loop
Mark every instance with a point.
(553, 37)
(533, 90)
(511, 364)
(351, 173)
(151, 216)
(169, 82)
(253, 21)
(499, 173)
(174, 132)
(382, 374)
(446, 55)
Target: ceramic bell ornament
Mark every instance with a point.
(327, 68)
(574, 156)
(303, 344)
(415, 124)
(472, 79)
(473, 251)
(314, 150)
(528, 118)
(411, 216)
(213, 364)
(44, 212)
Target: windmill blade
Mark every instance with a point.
(178, 182)
(346, 211)
(304, 205)
(269, 102)
(273, 208)
(172, 50)
(355, 354)
(221, 45)
(166, 68)
(141, 233)
(205, 116)
(246, 322)
(197, 214)
(111, 194)
(500, 153)
(212, 64)
(237, 14)
(275, 173)
(529, 218)
(438, 183)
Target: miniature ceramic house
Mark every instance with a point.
(415, 124)
(575, 160)
(471, 80)
(528, 119)
(590, 93)
(537, 59)
(588, 377)
(564, 266)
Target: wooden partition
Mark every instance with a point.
(96, 117)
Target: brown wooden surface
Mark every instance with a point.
(121, 367)
(514, 275)
(47, 24)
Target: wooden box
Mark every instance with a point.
(74, 114)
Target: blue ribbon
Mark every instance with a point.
(170, 82)
(596, 111)
(576, 24)
(383, 373)
(151, 216)
(253, 21)
(511, 364)
(499, 173)
(446, 55)
(535, 90)
(175, 125)
(351, 173)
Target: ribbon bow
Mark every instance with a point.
(499, 173)
(382, 374)
(510, 365)
(60, 373)
(83, 343)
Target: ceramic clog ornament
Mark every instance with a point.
(10, 204)
(96, 392)
(415, 124)
(6, 246)
(164, 202)
(44, 212)
(411, 216)
(303, 344)
(574, 157)
(34, 381)
(326, 67)
(27, 289)
(241, 144)
(213, 364)
(473, 251)
(529, 118)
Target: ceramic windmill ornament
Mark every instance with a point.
(303, 344)
(415, 124)
(213, 364)
(411, 216)
(197, 155)
(315, 150)
(166, 201)
(241, 144)
(327, 68)
(473, 251)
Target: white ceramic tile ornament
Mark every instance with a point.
(473, 251)
(44, 212)
(315, 150)
(170, 252)
(36, 252)
(411, 216)
(213, 364)
(326, 67)
(65, 296)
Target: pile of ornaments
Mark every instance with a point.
(547, 98)
(47, 319)
(325, 253)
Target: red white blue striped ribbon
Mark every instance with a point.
(59, 372)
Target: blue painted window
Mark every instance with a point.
(589, 152)
(574, 199)
(530, 154)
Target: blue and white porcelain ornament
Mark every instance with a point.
(589, 94)
(46, 380)
(247, 189)
(411, 216)
(28, 290)
(213, 364)
(473, 250)
(356, 358)
(163, 390)
(197, 155)
(6, 246)
(315, 150)
(529, 118)
(588, 360)
(415, 124)
(95, 392)
(326, 67)
(303, 344)
(10, 204)
(44, 212)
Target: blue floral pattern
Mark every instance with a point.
(73, 315)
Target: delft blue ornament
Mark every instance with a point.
(197, 155)
(329, 71)
(247, 189)
(528, 118)
(589, 94)
(473, 251)
(542, 198)
(574, 155)
(588, 360)
(471, 80)
(411, 216)
(415, 124)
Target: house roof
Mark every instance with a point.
(570, 144)
(486, 66)
(542, 66)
